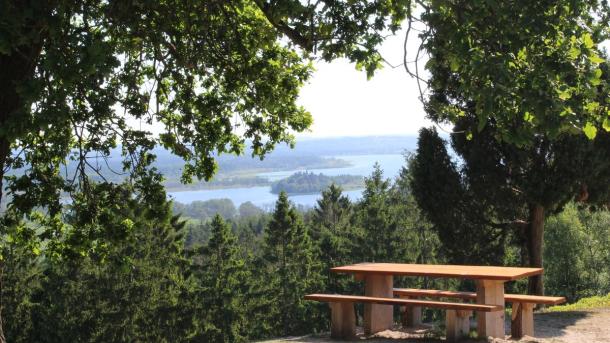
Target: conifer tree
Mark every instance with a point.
(224, 282)
(455, 212)
(380, 239)
(333, 234)
(503, 191)
(421, 242)
(289, 271)
(131, 290)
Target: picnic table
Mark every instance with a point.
(379, 282)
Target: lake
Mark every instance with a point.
(261, 196)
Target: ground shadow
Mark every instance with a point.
(572, 326)
(554, 324)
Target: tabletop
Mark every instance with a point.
(439, 270)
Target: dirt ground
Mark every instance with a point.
(557, 327)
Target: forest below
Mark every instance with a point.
(210, 272)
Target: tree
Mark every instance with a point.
(421, 242)
(503, 190)
(527, 68)
(444, 198)
(333, 233)
(289, 270)
(132, 289)
(224, 282)
(212, 74)
(576, 252)
(381, 239)
(248, 209)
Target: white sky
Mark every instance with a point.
(343, 103)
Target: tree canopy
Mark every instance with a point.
(524, 67)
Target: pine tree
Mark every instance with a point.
(288, 272)
(380, 240)
(224, 283)
(421, 241)
(126, 290)
(333, 235)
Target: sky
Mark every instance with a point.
(343, 103)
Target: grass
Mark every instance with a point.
(583, 304)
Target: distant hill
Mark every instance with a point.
(309, 153)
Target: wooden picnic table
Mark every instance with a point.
(379, 282)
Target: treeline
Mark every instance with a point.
(307, 182)
(243, 277)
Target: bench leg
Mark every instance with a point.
(378, 317)
(490, 292)
(411, 315)
(457, 324)
(522, 323)
(343, 320)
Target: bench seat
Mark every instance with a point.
(511, 298)
(522, 320)
(343, 317)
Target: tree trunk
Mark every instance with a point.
(535, 236)
(17, 66)
(2, 339)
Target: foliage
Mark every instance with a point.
(207, 209)
(583, 304)
(306, 182)
(128, 291)
(381, 241)
(547, 77)
(22, 274)
(335, 237)
(248, 209)
(502, 191)
(577, 253)
(223, 282)
(246, 279)
(451, 206)
(289, 271)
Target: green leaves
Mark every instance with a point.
(504, 63)
(590, 130)
(606, 124)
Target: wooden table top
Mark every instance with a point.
(439, 270)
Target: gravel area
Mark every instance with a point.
(557, 327)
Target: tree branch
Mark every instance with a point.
(297, 38)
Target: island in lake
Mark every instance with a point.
(306, 183)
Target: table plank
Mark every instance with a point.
(438, 270)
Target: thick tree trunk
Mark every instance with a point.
(17, 66)
(535, 236)
(14, 69)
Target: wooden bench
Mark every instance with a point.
(522, 320)
(343, 316)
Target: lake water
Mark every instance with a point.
(261, 196)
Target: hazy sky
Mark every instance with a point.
(343, 103)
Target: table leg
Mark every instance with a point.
(411, 315)
(522, 323)
(378, 317)
(490, 292)
(343, 321)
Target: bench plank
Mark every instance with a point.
(519, 298)
(336, 298)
